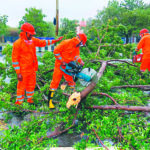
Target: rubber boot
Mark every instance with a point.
(50, 98)
(29, 100)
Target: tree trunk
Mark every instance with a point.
(92, 85)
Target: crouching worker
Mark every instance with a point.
(66, 52)
(24, 61)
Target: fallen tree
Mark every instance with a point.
(103, 114)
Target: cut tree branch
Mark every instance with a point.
(143, 87)
(94, 61)
(121, 61)
(119, 107)
(104, 94)
(112, 45)
(92, 85)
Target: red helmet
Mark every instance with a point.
(143, 31)
(82, 37)
(27, 27)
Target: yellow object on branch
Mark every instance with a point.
(63, 86)
(74, 99)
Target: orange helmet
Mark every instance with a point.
(27, 27)
(82, 37)
(143, 31)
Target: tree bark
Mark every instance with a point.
(119, 107)
(104, 94)
(143, 87)
(124, 61)
(93, 61)
(92, 85)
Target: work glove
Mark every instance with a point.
(19, 77)
(60, 38)
(82, 63)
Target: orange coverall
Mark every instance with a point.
(24, 61)
(66, 52)
(144, 44)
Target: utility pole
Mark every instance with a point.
(57, 18)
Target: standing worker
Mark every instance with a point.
(66, 52)
(144, 44)
(24, 61)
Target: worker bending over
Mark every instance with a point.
(66, 52)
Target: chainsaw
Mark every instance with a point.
(77, 72)
(137, 58)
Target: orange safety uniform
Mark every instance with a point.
(24, 61)
(144, 44)
(66, 51)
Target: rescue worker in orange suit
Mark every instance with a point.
(144, 44)
(24, 61)
(65, 52)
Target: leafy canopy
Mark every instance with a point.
(3, 26)
(134, 14)
(68, 26)
(36, 18)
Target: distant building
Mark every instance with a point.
(80, 26)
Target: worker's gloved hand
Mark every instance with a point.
(19, 77)
(82, 63)
(60, 38)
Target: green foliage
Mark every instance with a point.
(108, 124)
(134, 14)
(68, 27)
(3, 27)
(107, 39)
(36, 18)
(132, 4)
(27, 136)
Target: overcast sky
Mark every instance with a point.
(72, 9)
